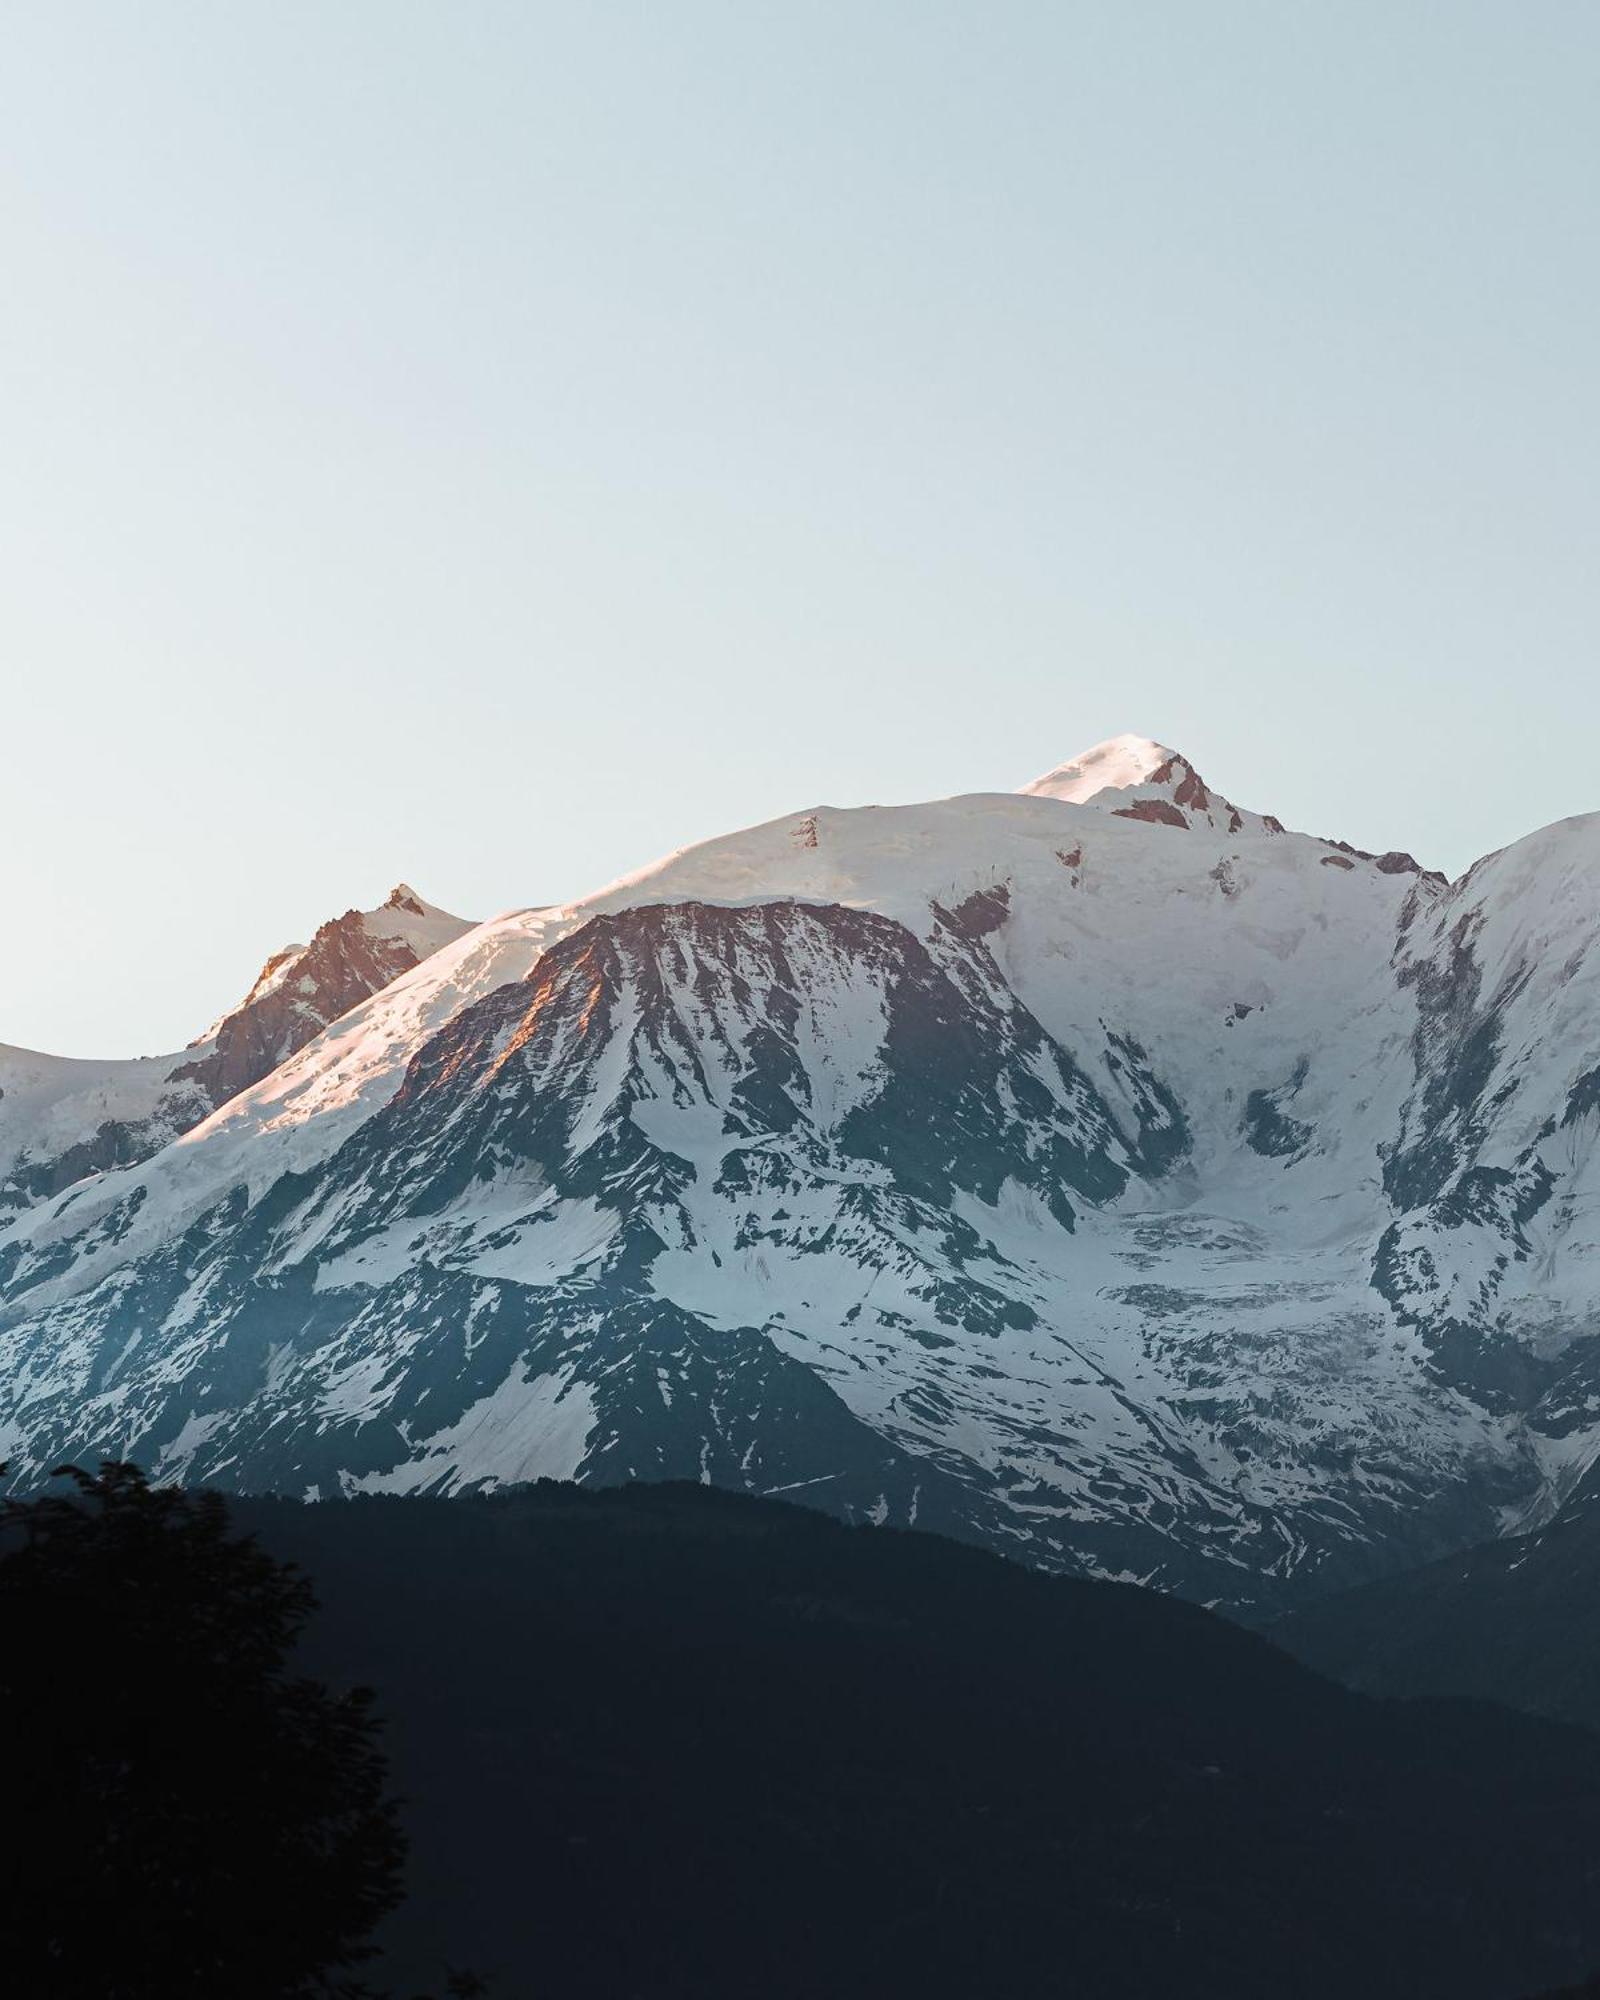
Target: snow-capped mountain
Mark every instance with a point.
(1136, 778)
(62, 1119)
(1100, 1171)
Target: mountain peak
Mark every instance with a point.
(403, 897)
(1118, 764)
(1136, 777)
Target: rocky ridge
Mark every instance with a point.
(1165, 1195)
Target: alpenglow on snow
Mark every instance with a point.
(1101, 1172)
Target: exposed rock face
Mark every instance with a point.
(1156, 1201)
(67, 1120)
(302, 989)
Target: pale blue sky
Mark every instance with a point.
(493, 444)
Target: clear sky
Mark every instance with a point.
(492, 444)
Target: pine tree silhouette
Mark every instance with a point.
(184, 1819)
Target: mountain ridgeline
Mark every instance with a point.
(62, 1120)
(1101, 1173)
(1515, 1620)
(665, 1741)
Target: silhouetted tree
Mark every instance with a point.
(181, 1815)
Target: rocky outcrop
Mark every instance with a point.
(80, 1119)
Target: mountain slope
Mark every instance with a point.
(62, 1119)
(827, 1761)
(1144, 1193)
(1516, 1621)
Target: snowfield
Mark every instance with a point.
(1101, 1171)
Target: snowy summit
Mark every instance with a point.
(1113, 766)
(1141, 779)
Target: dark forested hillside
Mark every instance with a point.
(1515, 1621)
(664, 1741)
